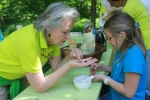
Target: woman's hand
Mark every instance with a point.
(95, 67)
(98, 77)
(82, 62)
(109, 14)
(76, 53)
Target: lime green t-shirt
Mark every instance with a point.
(24, 50)
(103, 9)
(139, 13)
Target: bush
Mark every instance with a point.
(78, 26)
(8, 29)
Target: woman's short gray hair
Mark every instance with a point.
(53, 16)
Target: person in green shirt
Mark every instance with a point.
(25, 51)
(146, 4)
(105, 8)
(1, 35)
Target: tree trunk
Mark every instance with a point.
(93, 11)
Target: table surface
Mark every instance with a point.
(65, 89)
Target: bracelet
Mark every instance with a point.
(106, 80)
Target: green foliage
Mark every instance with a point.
(78, 25)
(97, 26)
(21, 10)
(9, 30)
(26, 11)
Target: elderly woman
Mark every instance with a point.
(25, 51)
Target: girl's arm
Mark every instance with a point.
(106, 68)
(128, 88)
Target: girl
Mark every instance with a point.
(128, 72)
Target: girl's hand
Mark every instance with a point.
(95, 67)
(82, 62)
(98, 77)
(76, 53)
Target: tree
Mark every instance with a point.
(93, 11)
(26, 11)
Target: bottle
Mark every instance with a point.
(100, 38)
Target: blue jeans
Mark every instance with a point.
(104, 97)
(147, 97)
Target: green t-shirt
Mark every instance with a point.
(22, 51)
(103, 9)
(139, 13)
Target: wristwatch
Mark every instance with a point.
(106, 80)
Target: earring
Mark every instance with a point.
(49, 34)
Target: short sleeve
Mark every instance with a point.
(134, 61)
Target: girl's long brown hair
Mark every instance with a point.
(122, 22)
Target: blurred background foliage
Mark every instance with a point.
(24, 12)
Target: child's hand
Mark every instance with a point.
(95, 67)
(98, 77)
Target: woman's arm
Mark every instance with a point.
(42, 83)
(57, 62)
(110, 13)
